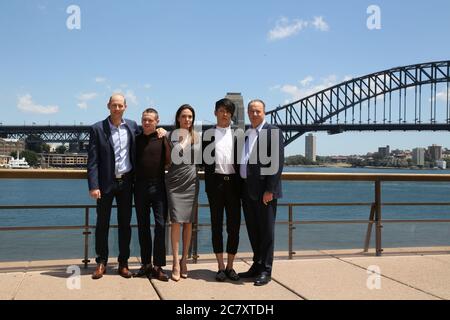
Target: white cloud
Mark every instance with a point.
(347, 78)
(284, 28)
(87, 96)
(26, 104)
(320, 24)
(295, 92)
(275, 87)
(131, 97)
(83, 98)
(100, 79)
(147, 86)
(306, 81)
(82, 105)
(442, 95)
(306, 87)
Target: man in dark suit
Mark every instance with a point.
(261, 166)
(222, 186)
(110, 175)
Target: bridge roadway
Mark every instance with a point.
(405, 274)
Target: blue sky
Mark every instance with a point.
(166, 53)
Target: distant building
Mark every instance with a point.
(68, 160)
(435, 152)
(338, 159)
(418, 156)
(4, 160)
(384, 152)
(310, 147)
(239, 114)
(11, 145)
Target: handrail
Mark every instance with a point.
(375, 217)
(287, 176)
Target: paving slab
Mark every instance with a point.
(442, 258)
(60, 285)
(201, 285)
(331, 279)
(336, 274)
(10, 282)
(427, 273)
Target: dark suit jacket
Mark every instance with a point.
(211, 168)
(257, 182)
(101, 161)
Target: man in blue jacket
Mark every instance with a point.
(260, 169)
(110, 175)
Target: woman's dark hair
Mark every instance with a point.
(191, 129)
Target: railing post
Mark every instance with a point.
(369, 228)
(291, 228)
(86, 238)
(379, 250)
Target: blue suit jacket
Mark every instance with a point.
(101, 160)
(259, 183)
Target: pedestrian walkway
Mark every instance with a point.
(313, 275)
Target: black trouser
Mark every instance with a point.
(260, 221)
(151, 194)
(225, 195)
(122, 192)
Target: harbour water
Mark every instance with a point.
(27, 245)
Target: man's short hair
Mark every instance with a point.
(257, 100)
(227, 104)
(118, 94)
(151, 110)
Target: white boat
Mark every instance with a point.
(18, 163)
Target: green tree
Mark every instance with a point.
(61, 149)
(34, 143)
(45, 148)
(30, 156)
(297, 160)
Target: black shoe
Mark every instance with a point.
(232, 275)
(262, 279)
(144, 271)
(251, 273)
(221, 276)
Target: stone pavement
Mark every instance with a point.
(313, 275)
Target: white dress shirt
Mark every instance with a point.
(121, 142)
(250, 142)
(223, 140)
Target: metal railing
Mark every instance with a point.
(375, 215)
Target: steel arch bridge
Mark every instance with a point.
(409, 98)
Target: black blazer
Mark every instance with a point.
(209, 142)
(101, 161)
(259, 183)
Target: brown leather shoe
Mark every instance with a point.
(159, 274)
(99, 271)
(124, 271)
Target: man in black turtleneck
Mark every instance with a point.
(152, 154)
